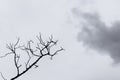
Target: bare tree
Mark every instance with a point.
(42, 48)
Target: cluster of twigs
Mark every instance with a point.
(43, 48)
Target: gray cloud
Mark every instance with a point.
(97, 35)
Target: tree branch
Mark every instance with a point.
(3, 76)
(43, 48)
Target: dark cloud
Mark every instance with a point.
(97, 35)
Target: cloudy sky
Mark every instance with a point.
(87, 29)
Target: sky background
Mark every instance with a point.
(66, 20)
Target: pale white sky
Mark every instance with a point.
(26, 18)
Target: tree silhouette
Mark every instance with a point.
(42, 48)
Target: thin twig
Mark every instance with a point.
(3, 76)
(42, 49)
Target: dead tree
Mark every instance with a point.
(42, 48)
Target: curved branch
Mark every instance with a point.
(43, 48)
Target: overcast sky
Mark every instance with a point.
(87, 29)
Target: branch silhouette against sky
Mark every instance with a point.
(41, 49)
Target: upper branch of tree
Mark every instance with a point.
(13, 48)
(43, 48)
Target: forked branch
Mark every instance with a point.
(43, 48)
